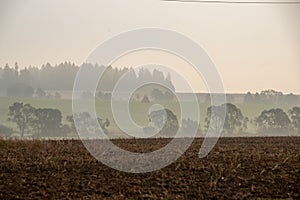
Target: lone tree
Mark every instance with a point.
(273, 120)
(295, 116)
(145, 99)
(22, 115)
(157, 94)
(234, 122)
(165, 121)
(86, 123)
(189, 126)
(47, 121)
(271, 96)
(249, 99)
(40, 93)
(291, 99)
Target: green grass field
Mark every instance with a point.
(138, 110)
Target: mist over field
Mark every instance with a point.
(149, 99)
(51, 87)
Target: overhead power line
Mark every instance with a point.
(233, 2)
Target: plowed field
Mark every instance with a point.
(237, 168)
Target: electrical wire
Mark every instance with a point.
(234, 2)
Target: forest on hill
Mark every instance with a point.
(18, 82)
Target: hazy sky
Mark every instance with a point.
(254, 47)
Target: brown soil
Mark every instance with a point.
(237, 168)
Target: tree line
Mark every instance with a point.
(24, 82)
(47, 122)
(273, 121)
(270, 97)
